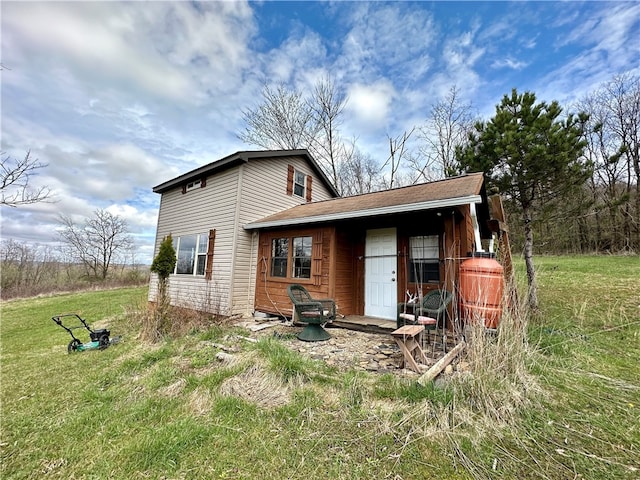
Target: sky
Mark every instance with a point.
(118, 97)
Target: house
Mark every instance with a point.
(205, 211)
(247, 226)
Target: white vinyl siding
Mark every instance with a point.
(230, 199)
(195, 212)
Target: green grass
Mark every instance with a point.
(172, 410)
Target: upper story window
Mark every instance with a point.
(424, 259)
(191, 251)
(299, 183)
(195, 184)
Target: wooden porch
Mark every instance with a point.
(363, 323)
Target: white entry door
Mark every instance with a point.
(380, 274)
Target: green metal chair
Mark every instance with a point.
(314, 312)
(431, 312)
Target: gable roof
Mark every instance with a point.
(450, 192)
(244, 157)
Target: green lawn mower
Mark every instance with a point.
(99, 337)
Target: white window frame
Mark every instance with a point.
(193, 185)
(297, 185)
(301, 246)
(195, 263)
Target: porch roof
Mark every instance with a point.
(461, 190)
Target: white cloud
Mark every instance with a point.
(387, 37)
(370, 104)
(509, 63)
(298, 53)
(133, 216)
(156, 48)
(607, 42)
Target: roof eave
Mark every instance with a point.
(243, 156)
(201, 171)
(372, 212)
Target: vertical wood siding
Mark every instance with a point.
(344, 274)
(271, 293)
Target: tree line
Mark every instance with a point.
(600, 213)
(98, 251)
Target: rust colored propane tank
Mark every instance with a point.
(481, 288)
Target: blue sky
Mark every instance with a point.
(119, 97)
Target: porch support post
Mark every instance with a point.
(476, 227)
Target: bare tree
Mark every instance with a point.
(398, 152)
(447, 127)
(284, 120)
(98, 243)
(623, 94)
(362, 172)
(15, 176)
(327, 145)
(614, 149)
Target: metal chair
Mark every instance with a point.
(314, 312)
(431, 313)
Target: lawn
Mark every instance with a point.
(566, 404)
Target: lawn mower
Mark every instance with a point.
(99, 338)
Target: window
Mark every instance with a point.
(279, 257)
(201, 259)
(192, 254)
(194, 184)
(302, 257)
(424, 259)
(299, 184)
(199, 183)
(291, 257)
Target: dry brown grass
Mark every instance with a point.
(259, 386)
(179, 321)
(174, 390)
(488, 397)
(200, 402)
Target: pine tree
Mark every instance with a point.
(532, 156)
(163, 265)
